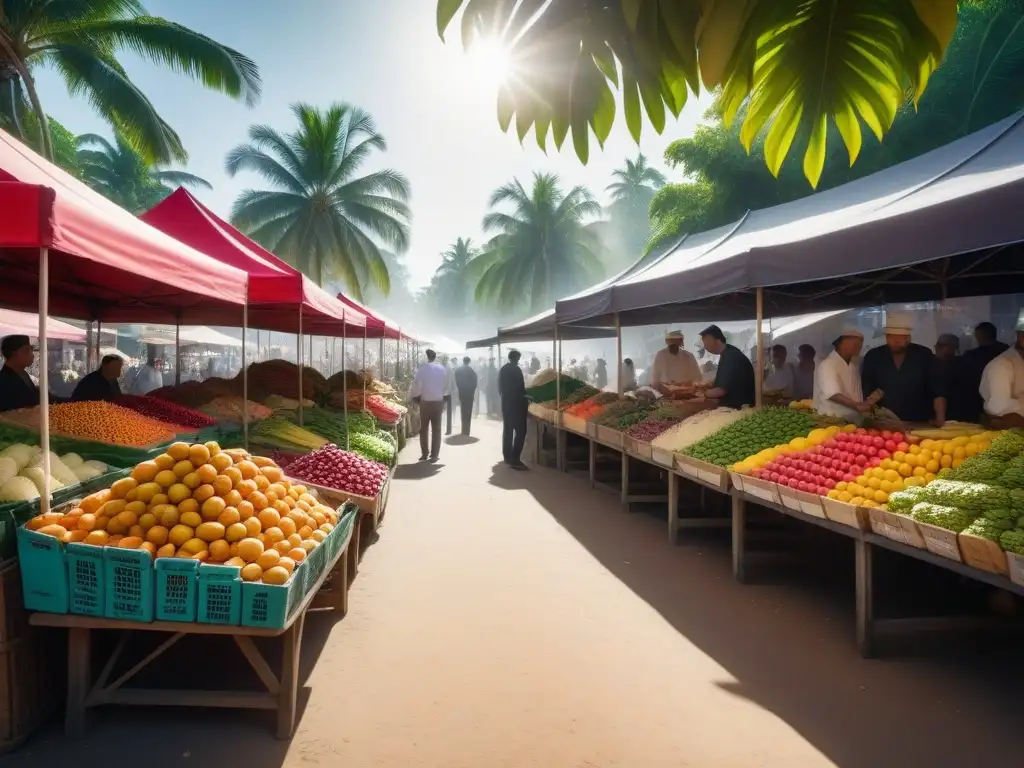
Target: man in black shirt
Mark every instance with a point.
(101, 384)
(512, 390)
(465, 383)
(906, 373)
(963, 403)
(16, 387)
(734, 380)
(988, 349)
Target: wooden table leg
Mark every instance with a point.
(592, 466)
(673, 507)
(353, 546)
(340, 584)
(288, 695)
(864, 578)
(624, 493)
(739, 538)
(79, 679)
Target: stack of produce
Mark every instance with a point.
(331, 467)
(384, 410)
(347, 380)
(760, 430)
(543, 377)
(582, 394)
(166, 411)
(203, 503)
(195, 394)
(22, 477)
(613, 412)
(277, 432)
(280, 377)
(331, 425)
(548, 391)
(696, 428)
(279, 403)
(373, 446)
(100, 422)
(592, 406)
(231, 408)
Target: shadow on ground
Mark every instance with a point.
(462, 440)
(790, 644)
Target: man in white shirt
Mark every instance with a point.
(837, 390)
(1002, 384)
(449, 395)
(780, 376)
(429, 389)
(674, 365)
(148, 378)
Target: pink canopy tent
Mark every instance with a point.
(27, 324)
(378, 326)
(277, 291)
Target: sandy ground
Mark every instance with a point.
(522, 619)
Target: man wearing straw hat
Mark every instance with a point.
(673, 365)
(907, 374)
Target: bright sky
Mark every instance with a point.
(435, 106)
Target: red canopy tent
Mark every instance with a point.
(61, 240)
(276, 290)
(378, 326)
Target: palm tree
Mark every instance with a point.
(631, 193)
(81, 41)
(117, 171)
(541, 249)
(453, 285)
(799, 64)
(321, 217)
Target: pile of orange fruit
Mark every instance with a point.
(202, 502)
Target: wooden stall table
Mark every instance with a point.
(281, 686)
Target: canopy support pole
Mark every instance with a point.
(99, 342)
(380, 360)
(759, 378)
(245, 371)
(363, 374)
(299, 354)
(177, 351)
(44, 377)
(618, 355)
(344, 378)
(89, 339)
(558, 370)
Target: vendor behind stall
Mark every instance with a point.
(673, 365)
(803, 373)
(837, 386)
(17, 389)
(1002, 384)
(102, 383)
(780, 376)
(734, 382)
(961, 389)
(906, 373)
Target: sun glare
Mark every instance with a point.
(490, 62)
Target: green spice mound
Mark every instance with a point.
(762, 429)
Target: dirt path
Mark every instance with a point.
(521, 619)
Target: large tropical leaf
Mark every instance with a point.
(802, 62)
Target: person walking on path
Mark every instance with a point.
(430, 390)
(512, 390)
(491, 377)
(449, 397)
(465, 383)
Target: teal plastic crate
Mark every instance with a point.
(86, 578)
(177, 589)
(130, 584)
(44, 579)
(220, 594)
(270, 605)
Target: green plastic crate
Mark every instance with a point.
(130, 578)
(44, 580)
(270, 605)
(86, 578)
(220, 594)
(177, 589)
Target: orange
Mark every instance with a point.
(220, 551)
(191, 480)
(287, 563)
(145, 472)
(170, 515)
(178, 492)
(276, 575)
(194, 546)
(269, 518)
(297, 555)
(213, 447)
(273, 535)
(253, 526)
(232, 498)
(287, 526)
(179, 534)
(251, 572)
(182, 468)
(87, 522)
(198, 454)
(189, 505)
(135, 507)
(203, 492)
(136, 530)
(97, 538)
(158, 534)
(165, 461)
(147, 521)
(206, 473)
(281, 507)
(160, 498)
(235, 532)
(212, 508)
(167, 550)
(127, 519)
(283, 546)
(121, 488)
(222, 484)
(146, 492)
(178, 451)
(165, 478)
(229, 516)
(236, 561)
(273, 474)
(268, 559)
(245, 488)
(295, 540)
(221, 461)
(247, 469)
(202, 556)
(245, 509)
(234, 474)
(130, 542)
(210, 532)
(250, 550)
(191, 519)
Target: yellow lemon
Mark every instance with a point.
(946, 461)
(915, 449)
(906, 470)
(881, 497)
(920, 472)
(844, 496)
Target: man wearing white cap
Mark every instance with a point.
(674, 365)
(1002, 383)
(837, 390)
(907, 374)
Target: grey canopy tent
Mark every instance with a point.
(945, 224)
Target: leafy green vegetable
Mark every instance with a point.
(1013, 541)
(950, 518)
(904, 501)
(986, 529)
(1001, 517)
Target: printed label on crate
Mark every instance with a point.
(894, 532)
(942, 547)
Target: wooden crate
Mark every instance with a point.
(644, 450)
(1015, 565)
(983, 554)
(663, 458)
(845, 513)
(908, 525)
(801, 501)
(574, 424)
(709, 474)
(13, 616)
(940, 542)
(609, 436)
(635, 447)
(592, 430)
(881, 526)
(32, 680)
(762, 490)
